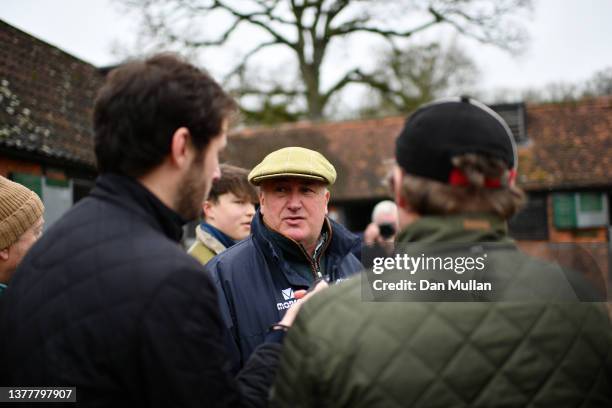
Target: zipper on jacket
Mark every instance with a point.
(316, 271)
(315, 264)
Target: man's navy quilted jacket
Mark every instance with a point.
(108, 301)
(255, 283)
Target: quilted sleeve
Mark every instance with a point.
(296, 384)
(258, 374)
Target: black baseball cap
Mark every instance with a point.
(438, 131)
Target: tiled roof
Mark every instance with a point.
(569, 145)
(46, 99)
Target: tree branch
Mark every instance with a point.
(357, 76)
(276, 91)
(211, 43)
(346, 79)
(251, 18)
(246, 58)
(356, 25)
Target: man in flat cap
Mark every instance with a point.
(21, 223)
(292, 244)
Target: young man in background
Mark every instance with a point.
(227, 214)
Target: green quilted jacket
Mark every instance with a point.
(345, 352)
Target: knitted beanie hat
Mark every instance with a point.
(20, 208)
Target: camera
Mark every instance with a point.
(387, 230)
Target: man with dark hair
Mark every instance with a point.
(107, 301)
(524, 342)
(227, 212)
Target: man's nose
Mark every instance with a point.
(294, 202)
(251, 210)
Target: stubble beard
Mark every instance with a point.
(193, 191)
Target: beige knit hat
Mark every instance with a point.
(20, 208)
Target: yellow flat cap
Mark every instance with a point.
(294, 162)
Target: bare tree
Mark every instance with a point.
(600, 84)
(407, 78)
(307, 28)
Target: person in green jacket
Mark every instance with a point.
(227, 214)
(529, 340)
(21, 223)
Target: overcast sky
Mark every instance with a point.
(570, 39)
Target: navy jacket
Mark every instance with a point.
(256, 284)
(108, 301)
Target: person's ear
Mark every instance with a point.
(180, 147)
(262, 201)
(398, 180)
(327, 196)
(4, 254)
(208, 209)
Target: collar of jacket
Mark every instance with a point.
(2, 288)
(311, 267)
(219, 235)
(128, 193)
(340, 243)
(461, 228)
(209, 240)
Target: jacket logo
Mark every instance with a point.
(289, 300)
(287, 293)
